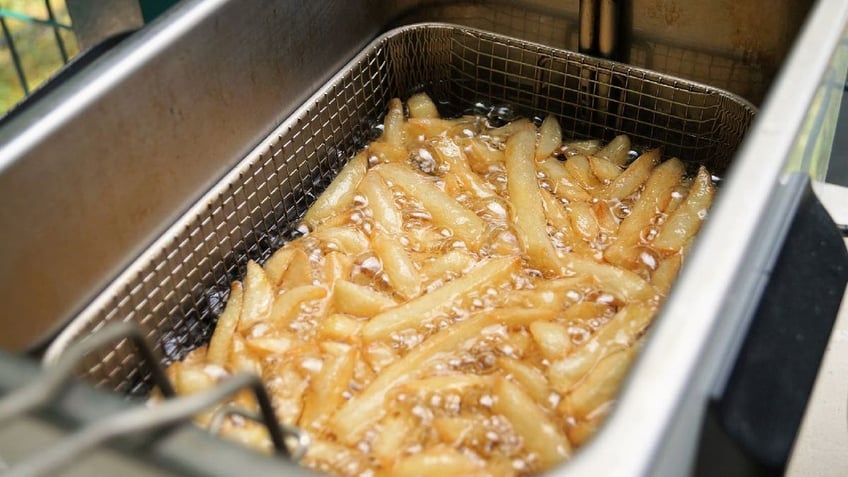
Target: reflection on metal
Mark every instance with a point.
(812, 150)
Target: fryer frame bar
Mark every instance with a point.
(174, 289)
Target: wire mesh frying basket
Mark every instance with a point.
(175, 290)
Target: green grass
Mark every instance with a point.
(36, 48)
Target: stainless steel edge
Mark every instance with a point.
(92, 174)
(678, 367)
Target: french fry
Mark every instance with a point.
(438, 460)
(585, 147)
(564, 185)
(287, 304)
(550, 137)
(346, 239)
(552, 339)
(621, 283)
(633, 177)
(540, 434)
(219, 345)
(337, 266)
(454, 262)
(529, 377)
(276, 265)
(685, 221)
(421, 106)
(339, 327)
(393, 123)
(279, 344)
(601, 384)
(298, 272)
(386, 214)
(401, 271)
(616, 151)
(395, 430)
(481, 158)
(584, 221)
(526, 200)
(360, 300)
(604, 169)
(385, 153)
(445, 210)
(663, 277)
(451, 154)
(512, 128)
(454, 430)
(324, 394)
(339, 194)
(421, 309)
(578, 168)
(447, 383)
(258, 297)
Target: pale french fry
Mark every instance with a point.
(526, 200)
(449, 153)
(540, 434)
(219, 345)
(188, 379)
(418, 130)
(393, 123)
(623, 284)
(279, 344)
(585, 311)
(578, 168)
(447, 383)
(633, 177)
(664, 178)
(360, 300)
(382, 204)
(616, 151)
(585, 428)
(298, 272)
(399, 268)
(454, 430)
(563, 184)
(438, 460)
(276, 265)
(445, 210)
(585, 147)
(337, 266)
(552, 339)
(287, 305)
(685, 221)
(339, 194)
(330, 456)
(385, 153)
(338, 327)
(550, 137)
(481, 158)
(421, 106)
(324, 394)
(395, 430)
(604, 169)
(663, 277)
(346, 239)
(529, 377)
(258, 297)
(454, 262)
(420, 310)
(513, 128)
(584, 221)
(601, 384)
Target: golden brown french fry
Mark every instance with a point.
(685, 221)
(395, 430)
(588, 426)
(386, 214)
(447, 383)
(278, 344)
(258, 297)
(617, 150)
(337, 266)
(287, 304)
(550, 137)
(444, 210)
(324, 394)
(384, 153)
(633, 177)
(338, 327)
(393, 123)
(454, 262)
(339, 194)
(526, 200)
(219, 345)
(418, 311)
(563, 185)
(585, 311)
(359, 300)
(419, 130)
(541, 435)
